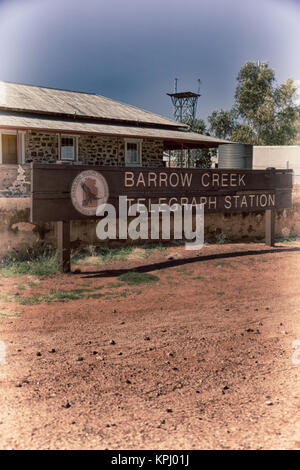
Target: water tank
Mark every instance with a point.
(235, 156)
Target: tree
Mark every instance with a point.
(297, 138)
(263, 113)
(222, 123)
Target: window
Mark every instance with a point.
(133, 153)
(68, 148)
(9, 149)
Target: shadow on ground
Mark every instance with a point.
(180, 262)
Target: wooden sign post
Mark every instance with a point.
(61, 193)
(270, 218)
(63, 245)
(270, 227)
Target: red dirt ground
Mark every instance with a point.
(197, 363)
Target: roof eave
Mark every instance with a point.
(169, 143)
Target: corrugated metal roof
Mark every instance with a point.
(28, 98)
(190, 139)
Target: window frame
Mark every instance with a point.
(139, 150)
(75, 146)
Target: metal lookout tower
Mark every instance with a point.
(185, 107)
(185, 104)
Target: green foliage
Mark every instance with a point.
(195, 158)
(255, 85)
(220, 238)
(263, 113)
(243, 134)
(297, 126)
(198, 125)
(222, 123)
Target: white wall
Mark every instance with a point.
(278, 156)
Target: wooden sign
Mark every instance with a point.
(70, 192)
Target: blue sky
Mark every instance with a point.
(132, 50)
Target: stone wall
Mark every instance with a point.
(98, 150)
(92, 149)
(152, 153)
(41, 147)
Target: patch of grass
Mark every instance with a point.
(220, 293)
(7, 313)
(123, 253)
(198, 278)
(7, 297)
(95, 296)
(33, 300)
(114, 285)
(40, 266)
(60, 295)
(124, 293)
(288, 240)
(101, 255)
(160, 247)
(80, 291)
(184, 270)
(115, 295)
(151, 248)
(147, 254)
(222, 263)
(20, 286)
(133, 278)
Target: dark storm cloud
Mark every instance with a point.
(131, 51)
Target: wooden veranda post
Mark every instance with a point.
(63, 246)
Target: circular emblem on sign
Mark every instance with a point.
(89, 190)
